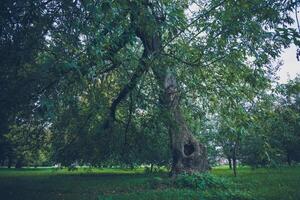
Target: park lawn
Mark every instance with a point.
(96, 184)
(282, 183)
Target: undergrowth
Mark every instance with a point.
(202, 186)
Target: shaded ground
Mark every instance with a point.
(44, 184)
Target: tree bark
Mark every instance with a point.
(289, 159)
(234, 160)
(188, 154)
(230, 162)
(151, 167)
(19, 163)
(9, 162)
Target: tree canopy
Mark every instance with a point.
(145, 81)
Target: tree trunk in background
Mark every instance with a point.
(151, 168)
(234, 166)
(9, 162)
(230, 162)
(19, 163)
(187, 153)
(289, 159)
(234, 160)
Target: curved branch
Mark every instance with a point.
(141, 69)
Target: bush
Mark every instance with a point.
(72, 167)
(201, 181)
(211, 187)
(155, 169)
(158, 182)
(174, 194)
(227, 195)
(147, 170)
(204, 186)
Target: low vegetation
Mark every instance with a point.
(111, 184)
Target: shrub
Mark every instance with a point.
(227, 195)
(158, 182)
(147, 170)
(202, 186)
(211, 187)
(201, 181)
(72, 167)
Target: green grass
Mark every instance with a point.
(267, 183)
(46, 183)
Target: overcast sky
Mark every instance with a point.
(291, 66)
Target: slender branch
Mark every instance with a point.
(128, 121)
(191, 23)
(297, 19)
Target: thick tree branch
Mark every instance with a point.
(142, 67)
(151, 41)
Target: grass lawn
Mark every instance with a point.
(96, 184)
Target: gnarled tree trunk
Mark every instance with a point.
(188, 154)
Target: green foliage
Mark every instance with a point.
(201, 181)
(228, 195)
(207, 185)
(158, 182)
(156, 194)
(274, 135)
(72, 167)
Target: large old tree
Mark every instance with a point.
(172, 58)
